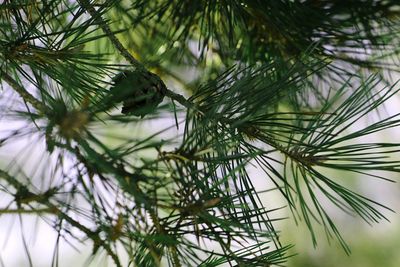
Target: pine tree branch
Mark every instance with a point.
(85, 4)
(26, 96)
(93, 235)
(125, 53)
(183, 101)
(54, 209)
(222, 116)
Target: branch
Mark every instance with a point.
(22, 92)
(183, 101)
(85, 4)
(30, 211)
(54, 209)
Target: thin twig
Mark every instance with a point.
(26, 96)
(106, 29)
(26, 211)
(183, 101)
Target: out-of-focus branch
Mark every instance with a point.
(26, 96)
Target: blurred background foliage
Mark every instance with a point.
(370, 247)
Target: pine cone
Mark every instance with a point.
(140, 91)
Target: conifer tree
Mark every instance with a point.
(139, 121)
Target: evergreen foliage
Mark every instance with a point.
(279, 85)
